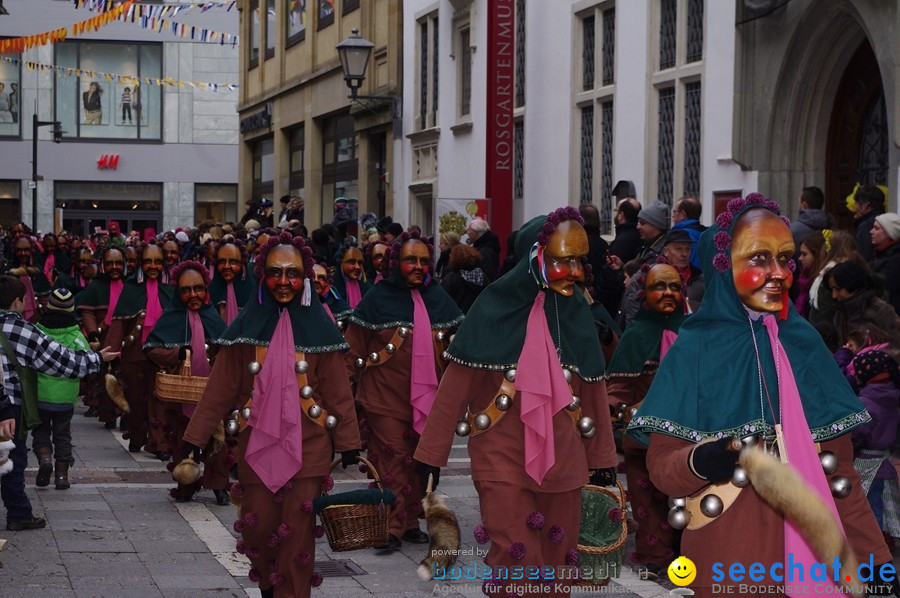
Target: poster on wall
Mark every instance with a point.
(454, 214)
(9, 102)
(129, 107)
(94, 103)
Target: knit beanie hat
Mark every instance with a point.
(890, 222)
(61, 300)
(656, 214)
(871, 363)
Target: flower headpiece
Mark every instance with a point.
(387, 265)
(727, 219)
(180, 268)
(284, 238)
(554, 219)
(826, 234)
(640, 278)
(229, 240)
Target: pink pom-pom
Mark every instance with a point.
(722, 240)
(318, 531)
(621, 467)
(772, 205)
(275, 579)
(237, 490)
(388, 478)
(406, 490)
(250, 519)
(556, 534)
(407, 461)
(792, 265)
(173, 492)
(240, 547)
(306, 506)
(285, 531)
(302, 559)
(635, 557)
(401, 515)
(786, 220)
(535, 521)
(362, 468)
(651, 540)
(254, 575)
(724, 220)
(615, 514)
(641, 512)
(721, 262)
(252, 553)
(517, 551)
(736, 205)
(170, 466)
(278, 497)
(289, 484)
(273, 540)
(755, 198)
(239, 526)
(316, 579)
(572, 557)
(643, 483)
(663, 525)
(481, 534)
(640, 293)
(327, 484)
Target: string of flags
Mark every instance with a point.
(20, 44)
(63, 71)
(159, 9)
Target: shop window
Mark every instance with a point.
(427, 72)
(263, 168)
(10, 202)
(270, 29)
(91, 207)
(326, 13)
(254, 34)
(296, 21)
(340, 165)
(10, 96)
(297, 143)
(91, 106)
(217, 203)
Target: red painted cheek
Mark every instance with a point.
(655, 296)
(272, 282)
(406, 269)
(789, 279)
(678, 298)
(296, 284)
(555, 273)
(750, 279)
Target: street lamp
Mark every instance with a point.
(57, 138)
(354, 53)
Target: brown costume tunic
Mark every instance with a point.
(750, 531)
(507, 494)
(93, 318)
(288, 560)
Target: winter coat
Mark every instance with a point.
(464, 286)
(627, 243)
(864, 237)
(60, 391)
(882, 400)
(808, 222)
(864, 310)
(488, 245)
(887, 264)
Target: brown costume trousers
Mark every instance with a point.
(654, 538)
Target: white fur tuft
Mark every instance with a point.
(424, 572)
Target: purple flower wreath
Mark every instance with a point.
(726, 220)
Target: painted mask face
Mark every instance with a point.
(284, 273)
(761, 248)
(567, 245)
(378, 256)
(63, 244)
(85, 259)
(152, 262)
(229, 262)
(352, 263)
(320, 279)
(130, 259)
(415, 263)
(663, 289)
(114, 264)
(192, 290)
(23, 250)
(49, 244)
(171, 253)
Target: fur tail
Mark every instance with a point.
(187, 472)
(443, 529)
(114, 389)
(787, 493)
(218, 439)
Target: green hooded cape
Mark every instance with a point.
(243, 288)
(389, 304)
(172, 329)
(133, 299)
(638, 349)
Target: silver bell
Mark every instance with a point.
(331, 422)
(568, 374)
(751, 440)
(829, 462)
(306, 392)
(482, 421)
(138, 328)
(124, 344)
(632, 412)
(404, 332)
(235, 414)
(739, 478)
(679, 518)
(232, 427)
(440, 336)
(206, 346)
(841, 486)
(711, 505)
(245, 413)
(463, 428)
(374, 357)
(314, 411)
(301, 367)
(589, 434)
(503, 402)
(390, 348)
(341, 324)
(510, 375)
(452, 336)
(575, 404)
(254, 367)
(677, 502)
(585, 425)
(360, 363)
(130, 339)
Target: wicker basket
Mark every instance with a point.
(605, 558)
(181, 387)
(355, 526)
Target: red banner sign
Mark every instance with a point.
(500, 94)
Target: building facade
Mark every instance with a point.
(300, 134)
(145, 155)
(679, 97)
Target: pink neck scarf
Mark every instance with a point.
(115, 290)
(801, 452)
(665, 343)
(152, 310)
(378, 278)
(354, 295)
(423, 381)
(199, 361)
(275, 449)
(543, 391)
(328, 311)
(231, 306)
(49, 264)
(30, 304)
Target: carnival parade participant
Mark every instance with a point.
(374, 257)
(232, 284)
(189, 322)
(36, 284)
(337, 308)
(746, 365)
(397, 334)
(349, 282)
(629, 374)
(281, 346)
(525, 384)
(143, 299)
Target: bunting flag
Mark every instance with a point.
(21, 44)
(157, 9)
(64, 71)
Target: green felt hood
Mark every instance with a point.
(638, 349)
(389, 304)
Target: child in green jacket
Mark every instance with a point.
(57, 396)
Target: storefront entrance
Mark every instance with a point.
(91, 207)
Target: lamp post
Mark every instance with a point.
(354, 53)
(57, 138)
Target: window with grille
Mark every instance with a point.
(692, 139)
(666, 141)
(270, 29)
(520, 53)
(518, 159)
(606, 164)
(668, 27)
(435, 55)
(587, 155)
(609, 46)
(254, 33)
(427, 73)
(465, 73)
(694, 30)
(297, 141)
(587, 53)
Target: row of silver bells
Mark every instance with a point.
(301, 367)
(712, 506)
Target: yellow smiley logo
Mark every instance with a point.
(682, 571)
